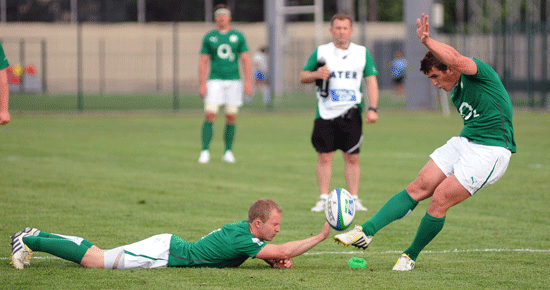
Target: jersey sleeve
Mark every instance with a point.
(370, 67)
(311, 64)
(243, 47)
(483, 70)
(205, 48)
(248, 244)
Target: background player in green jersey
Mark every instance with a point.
(4, 88)
(465, 164)
(223, 47)
(228, 246)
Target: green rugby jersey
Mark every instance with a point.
(224, 49)
(229, 246)
(3, 59)
(485, 106)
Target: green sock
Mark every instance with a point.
(229, 136)
(207, 132)
(397, 207)
(72, 249)
(54, 236)
(429, 228)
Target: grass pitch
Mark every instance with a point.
(115, 179)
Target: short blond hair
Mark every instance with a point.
(262, 209)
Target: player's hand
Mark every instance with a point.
(423, 28)
(283, 264)
(326, 230)
(4, 118)
(202, 90)
(322, 73)
(372, 117)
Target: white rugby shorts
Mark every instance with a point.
(475, 166)
(149, 253)
(224, 92)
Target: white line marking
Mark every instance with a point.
(435, 252)
(380, 253)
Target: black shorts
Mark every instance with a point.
(344, 133)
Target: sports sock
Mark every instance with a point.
(397, 207)
(207, 132)
(65, 247)
(229, 135)
(54, 236)
(429, 228)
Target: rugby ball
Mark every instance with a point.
(340, 209)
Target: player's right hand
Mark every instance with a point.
(323, 73)
(202, 90)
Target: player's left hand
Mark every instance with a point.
(283, 264)
(372, 117)
(423, 28)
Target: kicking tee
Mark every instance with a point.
(485, 106)
(3, 59)
(224, 49)
(347, 69)
(229, 246)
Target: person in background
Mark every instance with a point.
(399, 65)
(223, 47)
(261, 69)
(338, 123)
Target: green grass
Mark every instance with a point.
(118, 178)
(163, 102)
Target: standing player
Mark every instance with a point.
(465, 164)
(223, 47)
(4, 88)
(228, 246)
(338, 123)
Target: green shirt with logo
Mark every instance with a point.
(485, 106)
(224, 49)
(3, 59)
(229, 246)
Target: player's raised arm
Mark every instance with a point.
(445, 53)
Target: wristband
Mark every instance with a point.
(373, 109)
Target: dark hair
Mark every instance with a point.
(341, 17)
(429, 61)
(262, 209)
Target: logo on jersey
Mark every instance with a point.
(233, 38)
(257, 241)
(225, 52)
(341, 95)
(213, 39)
(467, 111)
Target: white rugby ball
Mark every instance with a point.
(340, 209)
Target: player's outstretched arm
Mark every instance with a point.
(292, 249)
(445, 53)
